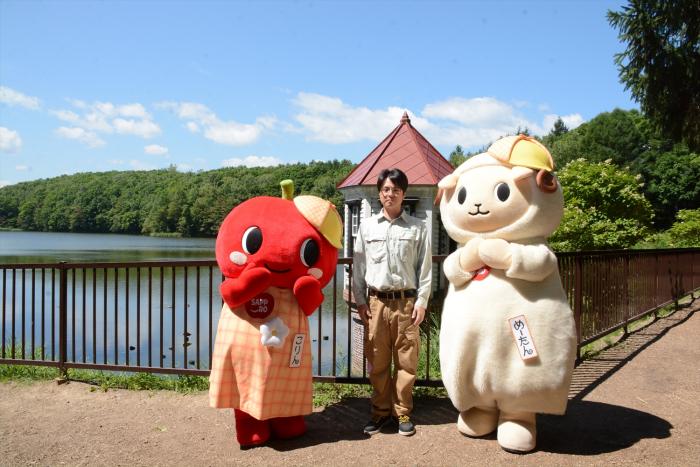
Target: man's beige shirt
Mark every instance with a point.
(392, 255)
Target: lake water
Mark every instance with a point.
(35, 247)
(115, 317)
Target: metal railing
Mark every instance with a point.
(160, 317)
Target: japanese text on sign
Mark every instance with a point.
(297, 348)
(523, 339)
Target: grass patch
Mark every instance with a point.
(326, 394)
(592, 349)
(106, 380)
(27, 374)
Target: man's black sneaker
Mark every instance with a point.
(406, 427)
(373, 426)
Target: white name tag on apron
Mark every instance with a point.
(523, 339)
(297, 350)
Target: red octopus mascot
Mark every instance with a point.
(276, 254)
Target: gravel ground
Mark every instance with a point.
(635, 404)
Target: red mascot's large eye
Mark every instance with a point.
(252, 240)
(309, 252)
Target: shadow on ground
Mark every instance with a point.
(344, 421)
(591, 428)
(588, 428)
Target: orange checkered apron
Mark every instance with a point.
(257, 379)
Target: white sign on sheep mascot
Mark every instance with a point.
(508, 338)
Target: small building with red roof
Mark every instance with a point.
(407, 149)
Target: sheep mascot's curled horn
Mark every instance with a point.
(508, 338)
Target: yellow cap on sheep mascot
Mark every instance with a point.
(522, 151)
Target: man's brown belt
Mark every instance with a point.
(393, 294)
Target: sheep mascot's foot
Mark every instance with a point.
(288, 427)
(478, 421)
(250, 431)
(517, 431)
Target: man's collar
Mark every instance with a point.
(381, 216)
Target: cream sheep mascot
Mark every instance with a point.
(508, 338)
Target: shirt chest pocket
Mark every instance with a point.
(376, 248)
(407, 243)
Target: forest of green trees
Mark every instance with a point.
(157, 201)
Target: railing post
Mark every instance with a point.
(578, 301)
(63, 322)
(656, 286)
(626, 314)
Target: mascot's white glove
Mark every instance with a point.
(273, 333)
(496, 253)
(469, 259)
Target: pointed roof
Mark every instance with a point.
(406, 149)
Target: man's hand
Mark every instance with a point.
(364, 312)
(418, 315)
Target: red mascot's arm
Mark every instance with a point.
(307, 290)
(252, 281)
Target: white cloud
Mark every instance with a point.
(474, 122)
(143, 128)
(571, 121)
(5, 183)
(470, 122)
(10, 140)
(479, 111)
(330, 120)
(252, 161)
(200, 118)
(155, 150)
(22, 168)
(86, 137)
(11, 97)
(107, 118)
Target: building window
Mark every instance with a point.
(409, 206)
(354, 207)
(354, 219)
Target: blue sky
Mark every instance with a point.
(137, 85)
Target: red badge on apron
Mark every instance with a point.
(481, 273)
(261, 306)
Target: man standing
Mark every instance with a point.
(391, 283)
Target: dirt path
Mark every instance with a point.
(636, 404)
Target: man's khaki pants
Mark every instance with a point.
(391, 333)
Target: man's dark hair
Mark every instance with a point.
(397, 177)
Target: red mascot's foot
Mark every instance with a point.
(250, 431)
(288, 427)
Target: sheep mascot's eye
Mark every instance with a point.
(502, 191)
(462, 195)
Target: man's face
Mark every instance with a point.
(391, 196)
